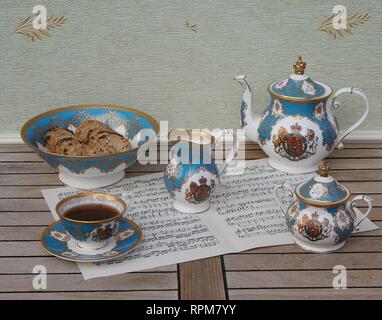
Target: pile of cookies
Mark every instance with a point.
(91, 138)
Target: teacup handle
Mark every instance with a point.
(335, 105)
(232, 153)
(353, 206)
(287, 186)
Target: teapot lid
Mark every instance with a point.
(323, 190)
(299, 87)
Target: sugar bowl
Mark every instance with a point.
(322, 217)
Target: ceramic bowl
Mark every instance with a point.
(88, 172)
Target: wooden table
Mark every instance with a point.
(268, 273)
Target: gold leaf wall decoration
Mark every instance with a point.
(191, 26)
(25, 27)
(354, 20)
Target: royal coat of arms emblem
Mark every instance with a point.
(294, 146)
(199, 193)
(313, 229)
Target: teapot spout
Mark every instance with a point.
(249, 120)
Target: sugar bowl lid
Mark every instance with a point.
(299, 87)
(323, 190)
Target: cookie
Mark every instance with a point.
(118, 142)
(95, 149)
(55, 135)
(88, 128)
(68, 146)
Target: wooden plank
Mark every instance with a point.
(353, 244)
(41, 179)
(40, 167)
(7, 205)
(52, 179)
(20, 233)
(336, 154)
(308, 261)
(26, 167)
(363, 145)
(355, 163)
(306, 294)
(26, 218)
(249, 154)
(75, 282)
(106, 295)
(356, 153)
(248, 144)
(22, 191)
(304, 279)
(19, 157)
(53, 265)
(22, 249)
(202, 280)
(10, 233)
(19, 192)
(370, 187)
(23, 205)
(8, 148)
(44, 218)
(43, 168)
(357, 175)
(30, 180)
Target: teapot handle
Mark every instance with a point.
(335, 105)
(369, 202)
(287, 186)
(232, 153)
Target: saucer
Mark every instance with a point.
(57, 242)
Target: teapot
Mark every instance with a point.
(297, 129)
(192, 175)
(322, 217)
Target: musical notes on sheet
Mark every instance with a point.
(246, 202)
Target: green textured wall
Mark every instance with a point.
(142, 54)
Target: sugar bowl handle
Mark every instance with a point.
(353, 206)
(335, 104)
(287, 186)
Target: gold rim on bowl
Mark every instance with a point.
(23, 129)
(94, 195)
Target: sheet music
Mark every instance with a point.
(243, 215)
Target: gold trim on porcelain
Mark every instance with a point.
(321, 204)
(136, 227)
(301, 100)
(89, 106)
(94, 195)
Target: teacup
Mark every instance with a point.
(91, 218)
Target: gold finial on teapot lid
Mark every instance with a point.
(299, 66)
(324, 170)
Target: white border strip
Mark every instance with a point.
(356, 136)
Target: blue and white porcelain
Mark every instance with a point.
(57, 241)
(89, 172)
(322, 217)
(91, 235)
(192, 175)
(297, 129)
